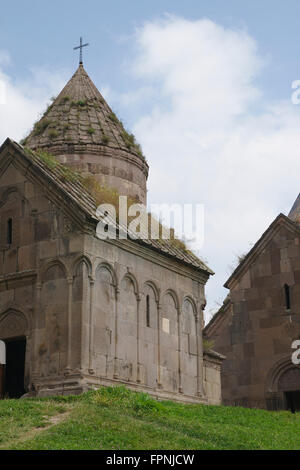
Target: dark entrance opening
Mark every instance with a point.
(289, 384)
(15, 368)
(293, 400)
(2, 380)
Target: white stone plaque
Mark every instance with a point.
(166, 325)
(2, 353)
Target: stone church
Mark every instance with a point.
(260, 319)
(77, 312)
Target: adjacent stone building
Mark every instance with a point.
(260, 319)
(78, 312)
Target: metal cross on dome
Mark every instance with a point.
(81, 47)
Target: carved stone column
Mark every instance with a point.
(179, 350)
(198, 320)
(138, 372)
(35, 352)
(159, 384)
(117, 292)
(69, 346)
(91, 327)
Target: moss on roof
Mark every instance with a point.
(81, 115)
(89, 192)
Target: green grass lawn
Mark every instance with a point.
(116, 418)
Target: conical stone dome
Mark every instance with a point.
(82, 131)
(295, 210)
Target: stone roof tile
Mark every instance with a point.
(75, 190)
(80, 115)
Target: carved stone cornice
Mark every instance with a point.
(160, 259)
(17, 276)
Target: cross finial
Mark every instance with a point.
(80, 47)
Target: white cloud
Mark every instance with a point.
(210, 136)
(5, 58)
(22, 102)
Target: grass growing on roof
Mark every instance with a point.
(79, 103)
(207, 344)
(53, 134)
(103, 194)
(129, 139)
(64, 100)
(112, 116)
(41, 126)
(66, 173)
(105, 139)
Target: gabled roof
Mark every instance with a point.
(74, 191)
(80, 116)
(281, 220)
(214, 321)
(291, 223)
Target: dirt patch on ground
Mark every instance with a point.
(51, 422)
(54, 420)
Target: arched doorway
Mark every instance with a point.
(289, 385)
(15, 367)
(13, 331)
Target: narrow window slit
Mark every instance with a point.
(9, 231)
(287, 297)
(148, 310)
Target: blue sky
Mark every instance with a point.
(205, 86)
(38, 32)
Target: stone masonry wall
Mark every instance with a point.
(94, 312)
(256, 329)
(146, 319)
(34, 280)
